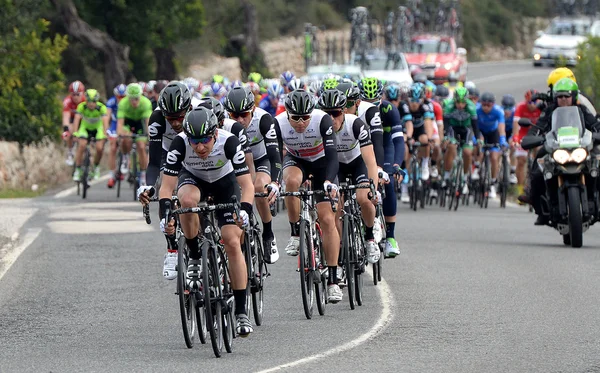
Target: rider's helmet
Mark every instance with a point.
(218, 79)
(236, 83)
(529, 95)
(469, 84)
(488, 97)
(239, 100)
(442, 91)
(420, 78)
(296, 84)
(255, 77)
(353, 93)
(460, 94)
(174, 98)
(316, 87)
(275, 90)
(566, 85)
(417, 92)
(370, 88)
(134, 90)
(508, 101)
(559, 73)
(216, 106)
(299, 102)
(120, 90)
(332, 99)
(330, 83)
(429, 89)
(76, 86)
(91, 95)
(392, 92)
(473, 92)
(200, 122)
(286, 77)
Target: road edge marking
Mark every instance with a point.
(67, 192)
(13, 254)
(386, 301)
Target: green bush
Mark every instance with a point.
(588, 68)
(30, 83)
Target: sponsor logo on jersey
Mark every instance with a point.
(172, 156)
(363, 133)
(153, 129)
(239, 158)
(329, 131)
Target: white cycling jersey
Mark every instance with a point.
(307, 145)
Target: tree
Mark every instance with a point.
(30, 77)
(588, 68)
(116, 55)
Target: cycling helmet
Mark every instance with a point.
(330, 83)
(566, 85)
(275, 90)
(91, 95)
(316, 87)
(559, 73)
(192, 84)
(429, 89)
(148, 88)
(420, 78)
(200, 122)
(529, 94)
(370, 88)
(216, 106)
(120, 90)
(239, 100)
(353, 93)
(236, 83)
(442, 91)
(218, 79)
(392, 92)
(134, 90)
(332, 99)
(473, 92)
(508, 101)
(344, 87)
(217, 89)
(175, 98)
(488, 97)
(299, 102)
(143, 85)
(253, 87)
(159, 86)
(296, 84)
(469, 85)
(286, 77)
(417, 92)
(460, 94)
(76, 86)
(255, 77)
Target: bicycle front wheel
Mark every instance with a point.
(187, 301)
(212, 301)
(306, 283)
(260, 270)
(347, 250)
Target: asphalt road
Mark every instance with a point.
(472, 291)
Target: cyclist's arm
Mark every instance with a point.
(233, 152)
(331, 158)
(76, 122)
(121, 126)
(373, 118)
(173, 165)
(270, 132)
(238, 129)
(105, 122)
(501, 123)
(397, 135)
(66, 119)
(407, 119)
(155, 131)
(361, 132)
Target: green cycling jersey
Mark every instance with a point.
(127, 111)
(459, 117)
(91, 117)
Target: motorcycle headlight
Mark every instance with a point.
(561, 156)
(578, 155)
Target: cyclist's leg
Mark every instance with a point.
(424, 151)
(112, 152)
(100, 141)
(360, 176)
(467, 141)
(82, 138)
(494, 138)
(263, 177)
(189, 192)
(293, 176)
(450, 152)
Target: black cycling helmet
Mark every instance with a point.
(488, 97)
(442, 91)
(200, 122)
(420, 78)
(344, 87)
(239, 100)
(332, 99)
(508, 101)
(299, 102)
(353, 94)
(174, 98)
(474, 92)
(216, 106)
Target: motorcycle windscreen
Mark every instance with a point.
(567, 126)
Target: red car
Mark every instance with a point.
(438, 57)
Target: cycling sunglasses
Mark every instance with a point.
(508, 107)
(171, 118)
(244, 114)
(300, 118)
(414, 100)
(487, 104)
(334, 113)
(200, 140)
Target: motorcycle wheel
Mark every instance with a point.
(575, 217)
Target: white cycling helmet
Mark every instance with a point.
(469, 85)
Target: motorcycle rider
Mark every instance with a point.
(565, 93)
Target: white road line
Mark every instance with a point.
(488, 63)
(13, 254)
(67, 192)
(384, 319)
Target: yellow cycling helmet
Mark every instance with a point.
(558, 74)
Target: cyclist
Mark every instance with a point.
(90, 121)
(271, 101)
(357, 160)
(460, 122)
(285, 78)
(490, 119)
(474, 96)
(508, 104)
(263, 135)
(392, 94)
(112, 107)
(70, 104)
(527, 109)
(307, 135)
(132, 118)
(203, 161)
(438, 127)
(386, 121)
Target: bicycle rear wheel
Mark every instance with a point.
(306, 284)
(487, 181)
(359, 263)
(458, 184)
(212, 301)
(187, 300)
(347, 249)
(505, 174)
(414, 190)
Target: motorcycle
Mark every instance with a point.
(570, 169)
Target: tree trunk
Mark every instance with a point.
(253, 59)
(116, 55)
(165, 65)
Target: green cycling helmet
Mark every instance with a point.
(330, 83)
(134, 90)
(370, 88)
(91, 95)
(565, 85)
(255, 77)
(218, 79)
(461, 94)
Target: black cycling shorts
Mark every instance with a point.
(464, 135)
(263, 165)
(220, 191)
(418, 131)
(137, 127)
(316, 168)
(355, 170)
(492, 138)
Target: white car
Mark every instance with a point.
(392, 69)
(560, 41)
(319, 72)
